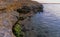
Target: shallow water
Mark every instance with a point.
(47, 24)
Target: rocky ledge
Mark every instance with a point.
(8, 17)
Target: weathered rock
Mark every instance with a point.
(2, 34)
(36, 7)
(24, 10)
(7, 20)
(8, 16)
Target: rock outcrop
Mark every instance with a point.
(11, 9)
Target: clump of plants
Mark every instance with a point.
(17, 30)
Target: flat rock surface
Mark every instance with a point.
(7, 20)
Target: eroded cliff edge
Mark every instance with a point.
(9, 13)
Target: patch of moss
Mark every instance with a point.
(17, 30)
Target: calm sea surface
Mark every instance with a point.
(47, 24)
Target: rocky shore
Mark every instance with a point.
(10, 11)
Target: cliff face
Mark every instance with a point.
(8, 14)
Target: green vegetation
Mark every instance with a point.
(17, 30)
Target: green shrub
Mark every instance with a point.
(17, 30)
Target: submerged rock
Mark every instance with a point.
(40, 9)
(37, 8)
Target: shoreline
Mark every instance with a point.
(10, 16)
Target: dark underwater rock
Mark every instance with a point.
(37, 8)
(40, 8)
